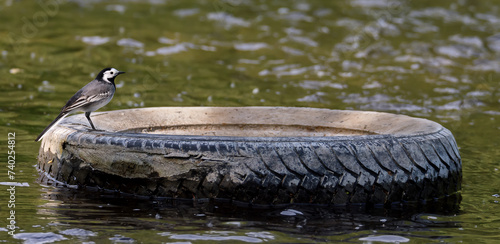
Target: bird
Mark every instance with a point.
(91, 97)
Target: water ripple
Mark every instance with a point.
(250, 237)
(228, 20)
(38, 238)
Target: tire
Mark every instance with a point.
(339, 157)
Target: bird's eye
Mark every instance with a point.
(111, 72)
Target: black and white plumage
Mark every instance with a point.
(91, 97)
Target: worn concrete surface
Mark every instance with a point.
(256, 121)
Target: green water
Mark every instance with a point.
(438, 60)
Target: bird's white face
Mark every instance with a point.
(109, 74)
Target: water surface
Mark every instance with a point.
(432, 59)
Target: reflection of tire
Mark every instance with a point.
(336, 157)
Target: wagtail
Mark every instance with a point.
(90, 98)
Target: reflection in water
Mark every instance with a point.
(93, 215)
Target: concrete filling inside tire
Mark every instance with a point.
(259, 122)
(250, 130)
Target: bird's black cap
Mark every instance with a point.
(101, 74)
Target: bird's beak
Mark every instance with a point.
(120, 72)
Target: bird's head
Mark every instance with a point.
(108, 74)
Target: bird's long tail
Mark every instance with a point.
(54, 123)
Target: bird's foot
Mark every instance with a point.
(94, 129)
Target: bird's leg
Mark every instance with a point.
(87, 114)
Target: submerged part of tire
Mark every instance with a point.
(259, 155)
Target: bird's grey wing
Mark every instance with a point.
(82, 100)
(75, 99)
